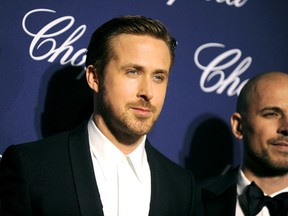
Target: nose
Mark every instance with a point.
(283, 128)
(145, 89)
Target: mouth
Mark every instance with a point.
(281, 145)
(143, 111)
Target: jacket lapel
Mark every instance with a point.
(220, 197)
(154, 202)
(82, 169)
(163, 201)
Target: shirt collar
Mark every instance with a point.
(137, 158)
(108, 155)
(243, 182)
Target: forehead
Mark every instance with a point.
(130, 40)
(141, 48)
(270, 91)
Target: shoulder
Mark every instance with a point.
(39, 145)
(54, 141)
(217, 193)
(50, 148)
(218, 184)
(33, 156)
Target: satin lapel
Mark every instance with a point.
(82, 169)
(220, 198)
(154, 181)
(159, 200)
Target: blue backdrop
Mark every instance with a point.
(221, 44)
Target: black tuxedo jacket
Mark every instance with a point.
(55, 177)
(217, 196)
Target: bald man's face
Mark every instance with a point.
(265, 124)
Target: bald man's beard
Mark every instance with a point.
(273, 165)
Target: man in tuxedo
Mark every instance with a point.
(106, 166)
(261, 121)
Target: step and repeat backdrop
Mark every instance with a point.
(221, 44)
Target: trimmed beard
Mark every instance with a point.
(271, 167)
(125, 130)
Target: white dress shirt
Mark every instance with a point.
(124, 181)
(242, 183)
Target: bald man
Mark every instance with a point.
(260, 185)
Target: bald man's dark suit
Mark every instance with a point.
(55, 177)
(216, 196)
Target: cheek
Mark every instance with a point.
(257, 136)
(159, 95)
(119, 88)
(119, 95)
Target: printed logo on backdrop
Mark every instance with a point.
(170, 2)
(236, 3)
(215, 76)
(46, 37)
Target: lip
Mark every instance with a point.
(142, 110)
(282, 146)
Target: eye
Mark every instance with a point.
(160, 77)
(132, 72)
(270, 114)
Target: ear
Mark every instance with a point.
(92, 77)
(236, 124)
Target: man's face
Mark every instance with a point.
(265, 124)
(134, 86)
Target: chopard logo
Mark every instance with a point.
(170, 2)
(213, 76)
(46, 38)
(236, 3)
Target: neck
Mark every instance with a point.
(269, 181)
(126, 149)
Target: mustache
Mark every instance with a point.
(278, 139)
(142, 103)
